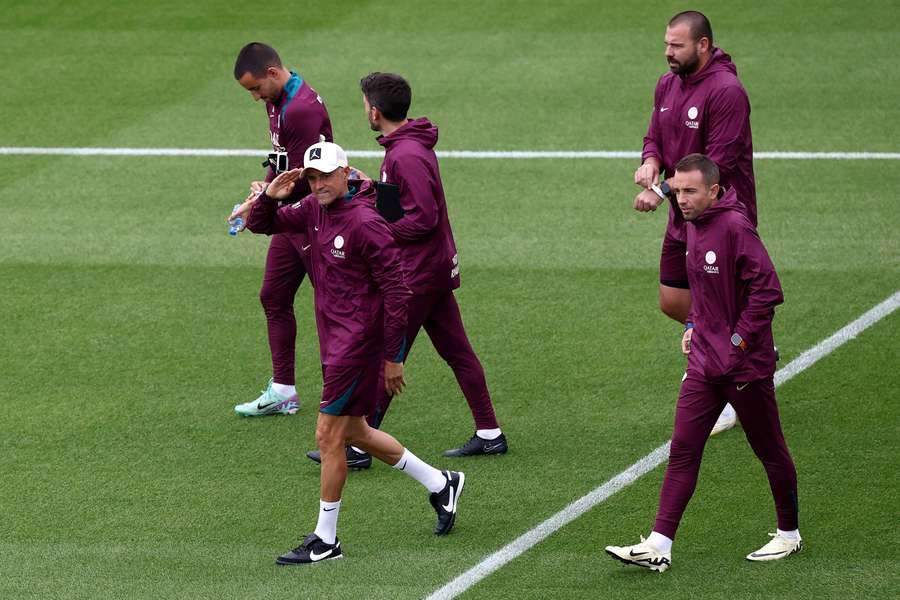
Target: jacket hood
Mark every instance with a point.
(420, 130)
(719, 62)
(727, 202)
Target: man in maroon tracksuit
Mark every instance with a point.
(429, 256)
(361, 313)
(731, 358)
(700, 106)
(297, 119)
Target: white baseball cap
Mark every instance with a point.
(324, 157)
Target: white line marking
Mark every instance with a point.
(646, 464)
(472, 154)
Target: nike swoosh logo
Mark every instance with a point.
(451, 505)
(740, 388)
(329, 509)
(314, 557)
(664, 109)
(492, 448)
(631, 553)
(768, 553)
(261, 406)
(306, 247)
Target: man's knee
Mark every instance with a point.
(329, 435)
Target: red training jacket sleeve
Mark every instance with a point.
(729, 117)
(756, 274)
(266, 217)
(417, 198)
(383, 256)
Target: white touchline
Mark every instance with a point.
(646, 464)
(471, 154)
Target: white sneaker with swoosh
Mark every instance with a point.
(446, 501)
(642, 555)
(778, 547)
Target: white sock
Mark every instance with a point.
(792, 535)
(326, 528)
(285, 391)
(488, 434)
(421, 471)
(660, 542)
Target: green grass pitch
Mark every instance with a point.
(131, 321)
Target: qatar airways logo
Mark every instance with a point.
(710, 266)
(692, 123)
(337, 251)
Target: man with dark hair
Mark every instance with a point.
(731, 358)
(699, 106)
(297, 119)
(361, 312)
(428, 253)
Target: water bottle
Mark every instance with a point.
(234, 225)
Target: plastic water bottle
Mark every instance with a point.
(235, 225)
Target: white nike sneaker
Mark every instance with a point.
(778, 547)
(641, 555)
(726, 420)
(269, 402)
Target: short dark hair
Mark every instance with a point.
(696, 22)
(255, 58)
(702, 163)
(389, 93)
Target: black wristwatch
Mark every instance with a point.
(665, 189)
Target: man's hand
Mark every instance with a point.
(357, 174)
(647, 174)
(257, 187)
(686, 340)
(282, 186)
(393, 377)
(647, 201)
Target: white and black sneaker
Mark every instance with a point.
(476, 446)
(312, 550)
(445, 501)
(642, 555)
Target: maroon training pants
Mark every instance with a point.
(699, 405)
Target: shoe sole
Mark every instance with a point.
(720, 428)
(462, 485)
(353, 466)
(290, 410)
(770, 559)
(281, 563)
(631, 562)
(453, 454)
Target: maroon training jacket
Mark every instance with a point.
(734, 289)
(360, 294)
(423, 233)
(706, 112)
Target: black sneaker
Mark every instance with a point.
(444, 502)
(355, 460)
(312, 550)
(477, 445)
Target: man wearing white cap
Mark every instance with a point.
(361, 311)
